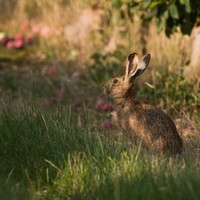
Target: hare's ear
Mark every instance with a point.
(142, 65)
(132, 64)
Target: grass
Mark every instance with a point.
(60, 151)
(48, 155)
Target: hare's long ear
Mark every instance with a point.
(131, 65)
(141, 66)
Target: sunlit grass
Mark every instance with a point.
(48, 155)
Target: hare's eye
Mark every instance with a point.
(115, 81)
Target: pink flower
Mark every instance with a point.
(52, 71)
(107, 124)
(25, 25)
(99, 104)
(35, 29)
(10, 44)
(18, 44)
(19, 36)
(103, 106)
(45, 32)
(106, 107)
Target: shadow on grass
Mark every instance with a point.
(35, 144)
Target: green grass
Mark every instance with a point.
(48, 155)
(60, 151)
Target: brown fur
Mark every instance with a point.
(146, 123)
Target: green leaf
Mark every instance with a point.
(186, 27)
(173, 11)
(182, 1)
(187, 6)
(161, 24)
(146, 4)
(166, 14)
(154, 4)
(153, 13)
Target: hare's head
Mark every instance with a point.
(119, 86)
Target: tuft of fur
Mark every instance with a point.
(147, 124)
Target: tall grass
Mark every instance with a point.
(32, 143)
(48, 155)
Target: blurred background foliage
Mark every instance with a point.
(168, 14)
(95, 37)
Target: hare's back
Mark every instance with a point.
(155, 120)
(156, 129)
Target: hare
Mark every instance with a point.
(147, 124)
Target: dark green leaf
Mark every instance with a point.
(187, 6)
(182, 1)
(173, 11)
(161, 23)
(153, 13)
(186, 28)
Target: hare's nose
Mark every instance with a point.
(106, 90)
